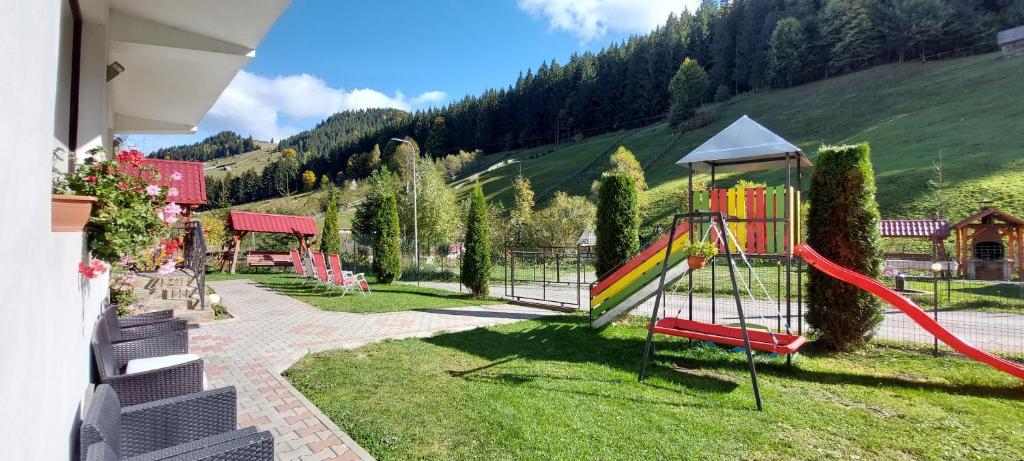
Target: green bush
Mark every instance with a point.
(618, 222)
(387, 264)
(476, 257)
(330, 237)
(843, 225)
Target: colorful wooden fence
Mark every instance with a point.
(764, 232)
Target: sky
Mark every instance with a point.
(325, 56)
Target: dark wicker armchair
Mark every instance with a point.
(190, 427)
(136, 388)
(131, 328)
(144, 319)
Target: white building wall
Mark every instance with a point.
(47, 310)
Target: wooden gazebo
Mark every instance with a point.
(990, 245)
(934, 230)
(243, 222)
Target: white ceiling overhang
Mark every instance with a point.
(178, 57)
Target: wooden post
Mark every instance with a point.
(235, 248)
(302, 243)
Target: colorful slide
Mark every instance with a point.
(908, 307)
(637, 280)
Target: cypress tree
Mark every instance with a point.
(476, 257)
(330, 238)
(843, 225)
(618, 222)
(387, 265)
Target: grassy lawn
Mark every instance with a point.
(555, 389)
(383, 298)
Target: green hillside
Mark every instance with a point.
(969, 109)
(238, 164)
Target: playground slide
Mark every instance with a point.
(908, 307)
(649, 288)
(637, 280)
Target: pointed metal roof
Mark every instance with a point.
(744, 146)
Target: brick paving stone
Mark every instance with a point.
(269, 332)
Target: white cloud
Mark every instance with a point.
(429, 98)
(272, 107)
(591, 19)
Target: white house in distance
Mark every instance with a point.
(76, 73)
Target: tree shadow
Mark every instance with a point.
(570, 339)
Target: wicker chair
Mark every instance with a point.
(161, 383)
(145, 319)
(119, 332)
(189, 427)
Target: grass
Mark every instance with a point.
(383, 298)
(238, 164)
(965, 108)
(555, 389)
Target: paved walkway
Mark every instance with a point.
(271, 331)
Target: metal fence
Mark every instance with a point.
(549, 274)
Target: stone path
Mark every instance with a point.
(269, 332)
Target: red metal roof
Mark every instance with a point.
(935, 228)
(272, 223)
(191, 187)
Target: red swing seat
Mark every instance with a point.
(733, 336)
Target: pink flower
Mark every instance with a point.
(86, 270)
(91, 270)
(153, 190)
(166, 268)
(90, 178)
(172, 192)
(172, 208)
(98, 266)
(176, 176)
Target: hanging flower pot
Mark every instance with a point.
(70, 213)
(697, 254)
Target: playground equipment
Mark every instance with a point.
(908, 307)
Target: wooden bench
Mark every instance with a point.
(268, 259)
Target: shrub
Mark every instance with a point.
(476, 260)
(722, 94)
(330, 237)
(387, 264)
(843, 225)
(618, 222)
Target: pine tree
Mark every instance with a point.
(787, 54)
(687, 91)
(618, 222)
(843, 225)
(852, 33)
(437, 141)
(387, 264)
(476, 257)
(330, 237)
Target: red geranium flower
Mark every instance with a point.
(132, 157)
(90, 178)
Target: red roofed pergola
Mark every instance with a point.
(191, 187)
(934, 230)
(243, 222)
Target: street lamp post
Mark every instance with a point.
(415, 212)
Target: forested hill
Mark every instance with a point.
(223, 144)
(744, 45)
(343, 127)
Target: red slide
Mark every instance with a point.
(908, 307)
